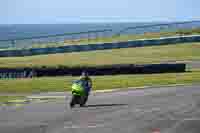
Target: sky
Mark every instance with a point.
(81, 11)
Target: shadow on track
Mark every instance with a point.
(104, 105)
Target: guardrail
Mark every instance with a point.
(103, 46)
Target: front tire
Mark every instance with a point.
(72, 102)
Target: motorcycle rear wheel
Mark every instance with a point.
(83, 101)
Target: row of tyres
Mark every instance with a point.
(103, 46)
(6, 73)
(99, 70)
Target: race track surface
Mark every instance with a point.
(166, 110)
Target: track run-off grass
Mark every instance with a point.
(140, 55)
(52, 84)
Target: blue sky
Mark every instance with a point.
(77, 11)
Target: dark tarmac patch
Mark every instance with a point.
(188, 126)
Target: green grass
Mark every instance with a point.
(150, 35)
(45, 84)
(140, 55)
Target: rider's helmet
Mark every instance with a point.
(84, 74)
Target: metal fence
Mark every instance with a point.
(101, 46)
(160, 27)
(93, 36)
(54, 40)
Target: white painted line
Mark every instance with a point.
(146, 110)
(110, 90)
(41, 97)
(18, 101)
(191, 119)
(89, 126)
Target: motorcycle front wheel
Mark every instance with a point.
(73, 101)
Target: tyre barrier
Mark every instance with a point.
(104, 46)
(16, 73)
(103, 70)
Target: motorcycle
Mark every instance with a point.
(79, 95)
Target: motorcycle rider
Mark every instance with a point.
(87, 82)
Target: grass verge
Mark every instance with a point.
(52, 84)
(142, 55)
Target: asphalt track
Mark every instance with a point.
(166, 109)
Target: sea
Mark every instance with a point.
(14, 33)
(35, 30)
